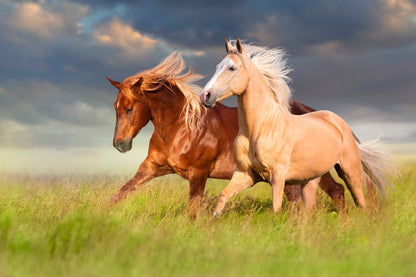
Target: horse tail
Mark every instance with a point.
(378, 165)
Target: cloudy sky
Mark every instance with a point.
(356, 58)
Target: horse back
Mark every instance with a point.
(322, 121)
(298, 108)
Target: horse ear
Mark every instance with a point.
(239, 46)
(114, 83)
(138, 84)
(227, 45)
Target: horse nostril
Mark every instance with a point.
(205, 98)
(123, 145)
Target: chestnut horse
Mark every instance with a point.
(188, 139)
(281, 147)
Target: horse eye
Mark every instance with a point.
(128, 110)
(231, 68)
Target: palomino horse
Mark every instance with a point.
(188, 139)
(279, 146)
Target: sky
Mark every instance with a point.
(356, 58)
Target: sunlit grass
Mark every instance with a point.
(65, 226)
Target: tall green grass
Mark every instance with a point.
(64, 226)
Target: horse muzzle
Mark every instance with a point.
(207, 99)
(123, 145)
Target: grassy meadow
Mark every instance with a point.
(65, 226)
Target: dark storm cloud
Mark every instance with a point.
(380, 81)
(297, 25)
(325, 21)
(40, 75)
(353, 57)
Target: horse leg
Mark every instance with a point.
(239, 181)
(294, 195)
(334, 190)
(147, 171)
(196, 191)
(278, 184)
(309, 193)
(353, 177)
(371, 192)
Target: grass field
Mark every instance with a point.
(64, 226)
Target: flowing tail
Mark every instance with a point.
(379, 166)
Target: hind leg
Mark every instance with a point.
(294, 197)
(352, 174)
(309, 193)
(293, 193)
(371, 192)
(334, 190)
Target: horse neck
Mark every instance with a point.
(166, 107)
(257, 106)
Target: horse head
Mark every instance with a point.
(230, 78)
(132, 113)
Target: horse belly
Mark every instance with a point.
(314, 156)
(224, 167)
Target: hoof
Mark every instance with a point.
(217, 214)
(114, 199)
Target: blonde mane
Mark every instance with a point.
(167, 73)
(273, 65)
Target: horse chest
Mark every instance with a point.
(241, 152)
(261, 158)
(252, 156)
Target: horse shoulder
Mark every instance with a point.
(156, 151)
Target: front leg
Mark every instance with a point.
(146, 172)
(278, 185)
(239, 181)
(197, 181)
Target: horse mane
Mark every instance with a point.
(167, 73)
(272, 64)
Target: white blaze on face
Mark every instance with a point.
(223, 65)
(118, 103)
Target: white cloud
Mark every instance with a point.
(390, 131)
(37, 149)
(11, 131)
(191, 53)
(46, 21)
(119, 34)
(82, 113)
(326, 47)
(387, 23)
(399, 13)
(74, 161)
(395, 23)
(71, 125)
(265, 31)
